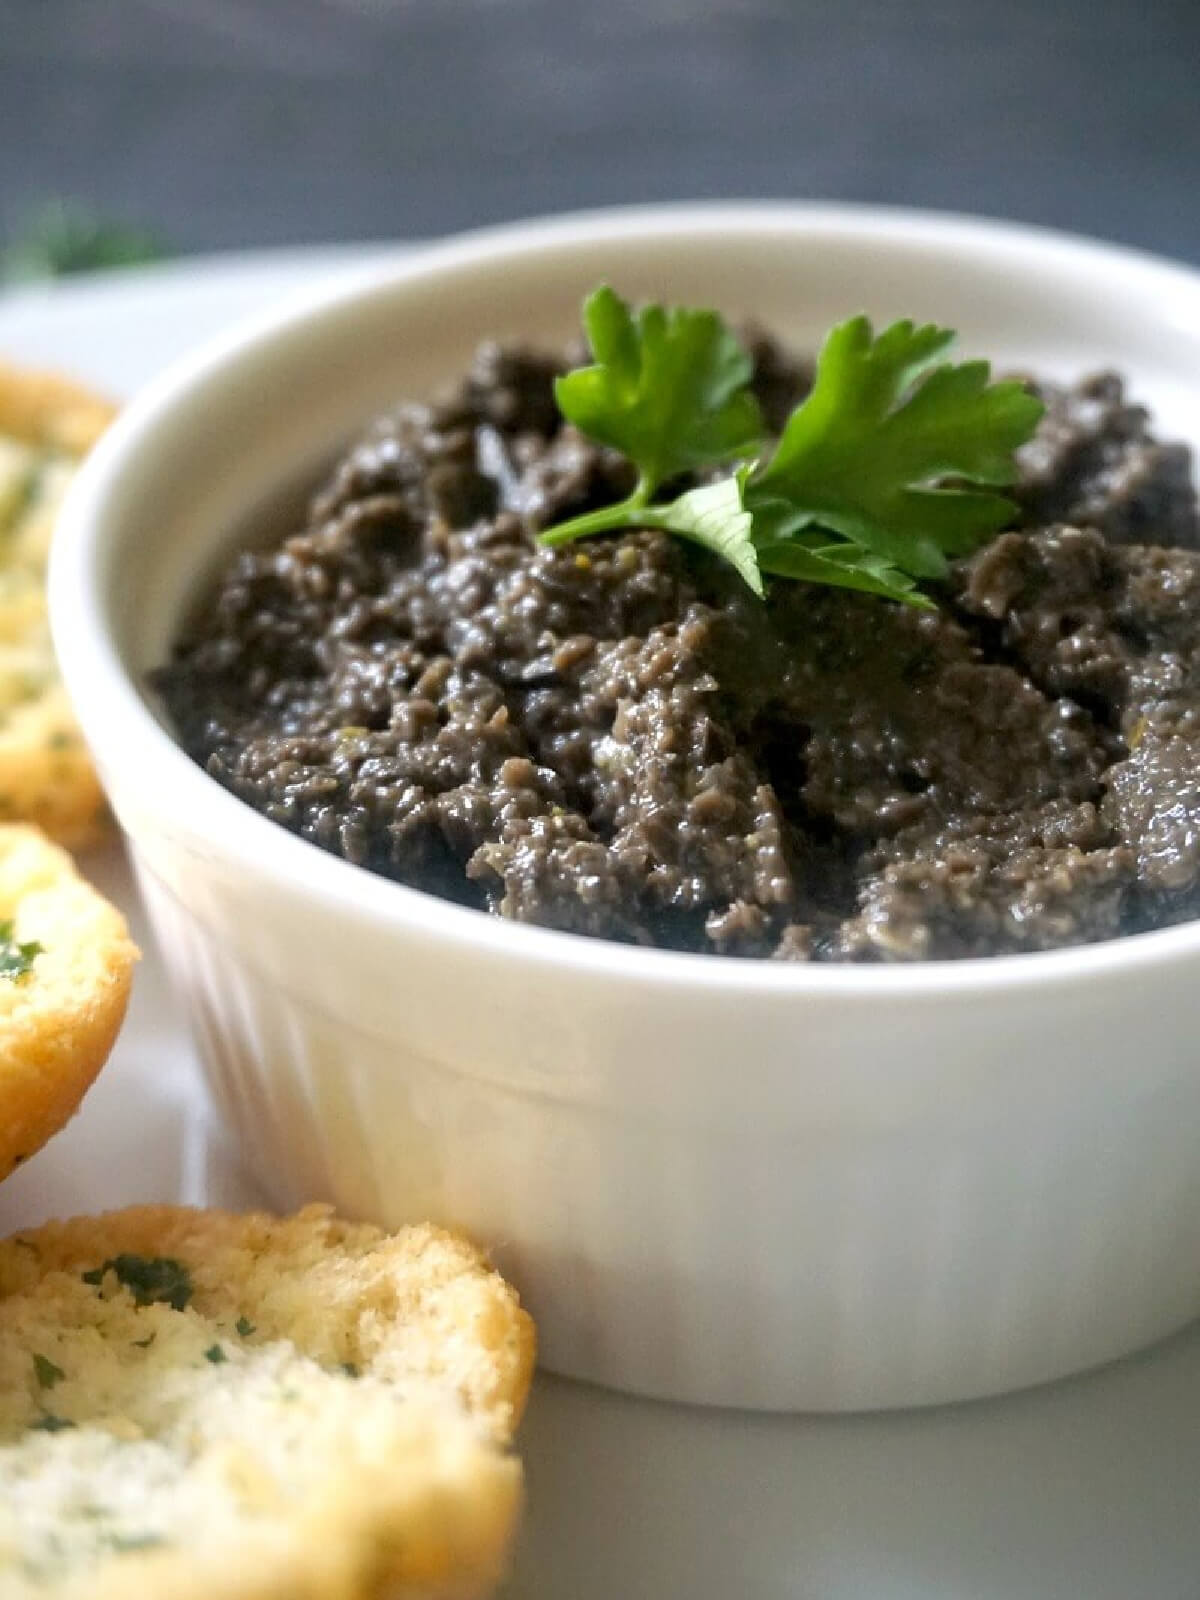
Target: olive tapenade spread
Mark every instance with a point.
(619, 739)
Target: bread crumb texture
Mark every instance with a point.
(46, 776)
(66, 964)
(202, 1406)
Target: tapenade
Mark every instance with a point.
(617, 738)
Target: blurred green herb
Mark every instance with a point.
(46, 1372)
(49, 1423)
(65, 238)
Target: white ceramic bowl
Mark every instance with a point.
(722, 1181)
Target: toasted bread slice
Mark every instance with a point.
(45, 409)
(47, 424)
(66, 964)
(200, 1406)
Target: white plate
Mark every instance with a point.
(1084, 1491)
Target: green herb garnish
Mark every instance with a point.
(215, 1354)
(884, 472)
(46, 1372)
(49, 1423)
(16, 958)
(148, 1278)
(244, 1327)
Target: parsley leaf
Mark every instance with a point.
(16, 959)
(887, 469)
(813, 558)
(668, 390)
(715, 515)
(888, 421)
(216, 1354)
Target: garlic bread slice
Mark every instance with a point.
(203, 1406)
(47, 425)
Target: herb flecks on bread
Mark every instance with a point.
(199, 1404)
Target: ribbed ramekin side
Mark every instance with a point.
(778, 1270)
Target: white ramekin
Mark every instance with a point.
(721, 1181)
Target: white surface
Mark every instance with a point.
(1083, 1489)
(923, 1183)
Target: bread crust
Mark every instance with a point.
(46, 774)
(421, 1309)
(58, 1021)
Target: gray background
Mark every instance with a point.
(234, 122)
